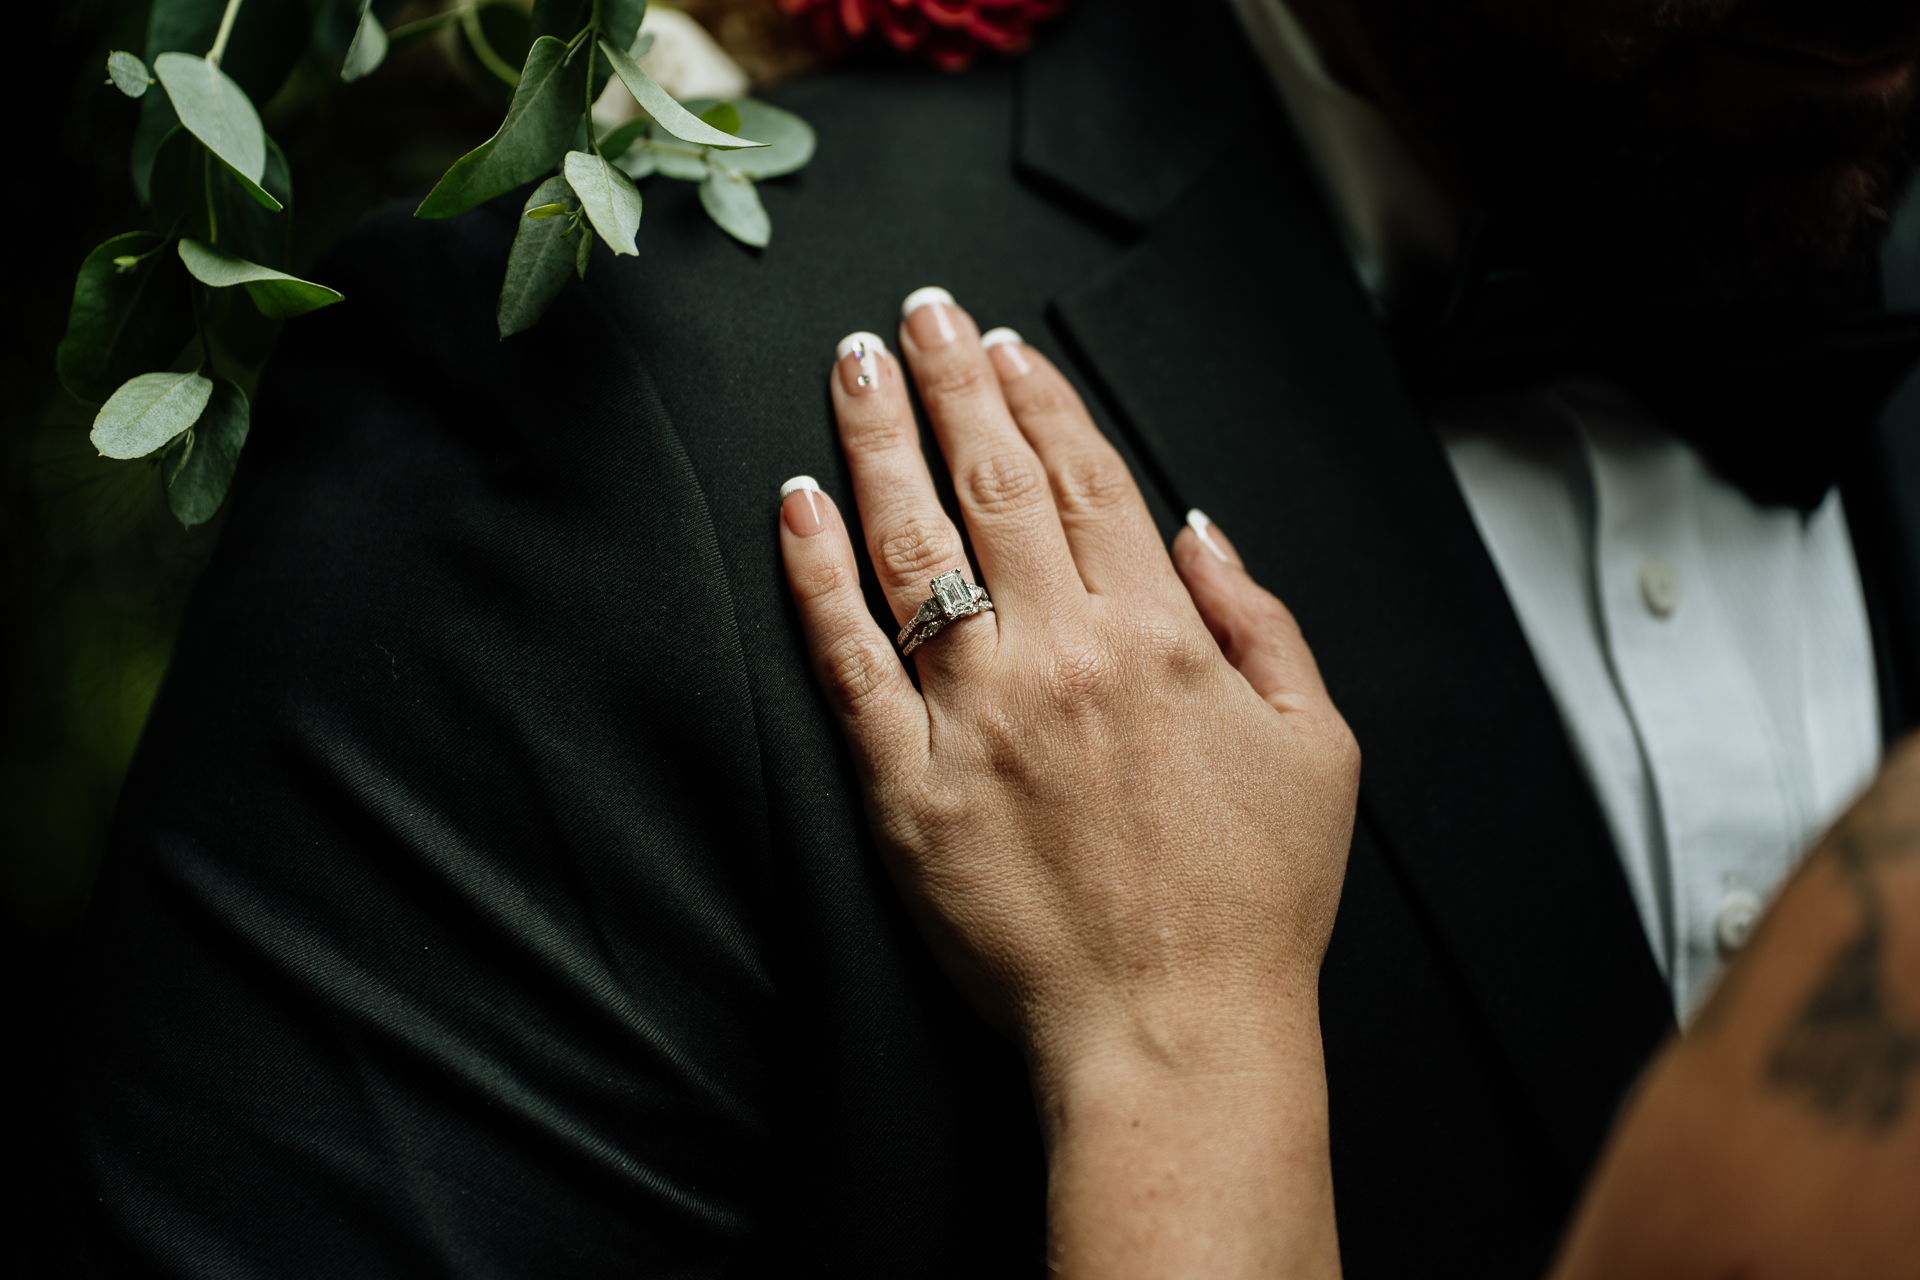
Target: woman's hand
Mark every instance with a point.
(1125, 845)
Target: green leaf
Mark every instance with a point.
(583, 253)
(128, 73)
(676, 161)
(538, 127)
(723, 116)
(667, 113)
(553, 210)
(637, 163)
(609, 197)
(199, 465)
(125, 320)
(790, 140)
(620, 21)
(730, 200)
(614, 143)
(541, 257)
(216, 111)
(148, 411)
(277, 294)
(369, 47)
(269, 36)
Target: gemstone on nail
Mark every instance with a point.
(862, 345)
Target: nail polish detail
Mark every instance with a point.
(995, 337)
(862, 345)
(922, 297)
(800, 482)
(1202, 527)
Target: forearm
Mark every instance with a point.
(1212, 1163)
(1779, 1136)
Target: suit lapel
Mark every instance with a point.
(1236, 347)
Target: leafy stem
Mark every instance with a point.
(226, 29)
(213, 218)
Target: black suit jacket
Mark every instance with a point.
(491, 895)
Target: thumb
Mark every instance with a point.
(1256, 632)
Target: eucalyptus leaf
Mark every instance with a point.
(615, 142)
(637, 162)
(583, 253)
(277, 294)
(667, 113)
(676, 160)
(790, 140)
(723, 116)
(730, 200)
(546, 107)
(128, 74)
(216, 111)
(369, 47)
(148, 411)
(541, 258)
(126, 319)
(200, 463)
(609, 197)
(620, 21)
(268, 39)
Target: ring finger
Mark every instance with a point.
(909, 537)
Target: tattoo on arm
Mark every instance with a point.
(1848, 1049)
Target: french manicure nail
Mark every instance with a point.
(1211, 537)
(929, 316)
(859, 362)
(800, 506)
(1004, 348)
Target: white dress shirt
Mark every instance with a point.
(1710, 658)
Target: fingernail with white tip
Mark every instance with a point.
(928, 313)
(859, 361)
(1210, 536)
(800, 506)
(1004, 347)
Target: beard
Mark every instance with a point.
(1684, 150)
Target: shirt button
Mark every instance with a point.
(1659, 587)
(1733, 923)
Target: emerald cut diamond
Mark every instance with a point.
(954, 594)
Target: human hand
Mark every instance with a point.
(1123, 838)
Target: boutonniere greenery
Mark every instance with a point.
(171, 326)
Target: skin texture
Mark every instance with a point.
(1689, 151)
(1780, 1136)
(1121, 828)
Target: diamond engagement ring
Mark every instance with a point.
(953, 597)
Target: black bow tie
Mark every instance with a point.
(1778, 403)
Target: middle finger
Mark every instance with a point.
(1002, 487)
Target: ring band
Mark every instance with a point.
(953, 598)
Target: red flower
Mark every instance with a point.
(947, 32)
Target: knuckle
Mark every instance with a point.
(820, 581)
(856, 668)
(1002, 483)
(1046, 398)
(1081, 672)
(916, 547)
(1090, 484)
(958, 380)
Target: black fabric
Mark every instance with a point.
(491, 894)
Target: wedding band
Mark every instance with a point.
(953, 598)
